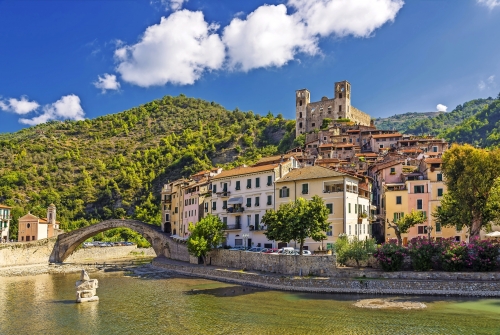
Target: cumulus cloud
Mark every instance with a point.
(489, 83)
(358, 18)
(177, 50)
(267, 37)
(489, 3)
(107, 82)
(21, 106)
(66, 108)
(176, 4)
(491, 80)
(441, 108)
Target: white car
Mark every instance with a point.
(304, 252)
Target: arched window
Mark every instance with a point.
(340, 95)
(300, 103)
(300, 115)
(300, 124)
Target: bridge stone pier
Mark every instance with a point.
(162, 244)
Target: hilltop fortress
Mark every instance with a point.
(310, 115)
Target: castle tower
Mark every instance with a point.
(51, 214)
(302, 99)
(342, 99)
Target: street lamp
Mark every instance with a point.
(429, 229)
(245, 238)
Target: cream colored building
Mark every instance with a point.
(348, 204)
(33, 228)
(5, 219)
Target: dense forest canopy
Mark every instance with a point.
(114, 166)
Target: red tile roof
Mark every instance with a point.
(241, 170)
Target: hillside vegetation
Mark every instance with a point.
(401, 122)
(114, 166)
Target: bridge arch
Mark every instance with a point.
(162, 243)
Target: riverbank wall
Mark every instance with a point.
(350, 280)
(38, 252)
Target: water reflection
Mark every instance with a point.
(45, 304)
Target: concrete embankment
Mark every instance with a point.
(349, 281)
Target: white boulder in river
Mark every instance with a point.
(86, 288)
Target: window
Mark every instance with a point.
(206, 206)
(422, 229)
(257, 219)
(300, 103)
(257, 182)
(381, 146)
(284, 192)
(214, 205)
(329, 232)
(238, 242)
(393, 170)
(224, 188)
(238, 186)
(355, 229)
(249, 220)
(398, 215)
(167, 218)
(249, 183)
(176, 210)
(440, 192)
(257, 201)
(349, 229)
(439, 177)
(214, 189)
(224, 204)
(269, 200)
(249, 202)
(224, 220)
(330, 208)
(269, 180)
(305, 188)
(399, 200)
(349, 205)
(238, 220)
(438, 227)
(418, 189)
(340, 108)
(313, 124)
(355, 209)
(435, 149)
(300, 115)
(300, 124)
(420, 204)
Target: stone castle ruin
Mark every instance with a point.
(310, 115)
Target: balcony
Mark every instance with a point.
(223, 194)
(235, 226)
(166, 200)
(257, 228)
(235, 210)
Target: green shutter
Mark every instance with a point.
(238, 185)
(249, 202)
(257, 182)
(330, 208)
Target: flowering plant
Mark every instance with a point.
(482, 255)
(390, 256)
(454, 256)
(422, 252)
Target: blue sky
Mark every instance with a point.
(83, 59)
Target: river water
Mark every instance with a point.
(44, 304)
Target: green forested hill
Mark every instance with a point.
(115, 165)
(401, 122)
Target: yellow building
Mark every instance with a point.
(33, 228)
(342, 195)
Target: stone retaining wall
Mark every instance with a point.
(486, 288)
(38, 252)
(282, 264)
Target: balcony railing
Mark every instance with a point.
(235, 210)
(223, 194)
(232, 226)
(257, 228)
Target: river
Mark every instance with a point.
(44, 304)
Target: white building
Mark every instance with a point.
(241, 196)
(4, 223)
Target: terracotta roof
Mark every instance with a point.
(6, 207)
(411, 150)
(387, 135)
(434, 160)
(201, 173)
(274, 159)
(433, 153)
(367, 154)
(326, 145)
(310, 172)
(354, 131)
(328, 160)
(241, 170)
(382, 166)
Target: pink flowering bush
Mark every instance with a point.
(482, 255)
(390, 256)
(454, 256)
(423, 252)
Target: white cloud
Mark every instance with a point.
(489, 83)
(107, 82)
(359, 18)
(441, 108)
(177, 50)
(176, 4)
(267, 37)
(66, 108)
(489, 3)
(22, 106)
(481, 85)
(491, 80)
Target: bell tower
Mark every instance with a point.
(302, 99)
(51, 214)
(342, 99)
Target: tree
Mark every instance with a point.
(402, 225)
(207, 234)
(359, 250)
(297, 221)
(473, 179)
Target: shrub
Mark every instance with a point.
(482, 255)
(359, 250)
(390, 256)
(422, 252)
(454, 256)
(340, 248)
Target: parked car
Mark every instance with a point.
(128, 243)
(255, 249)
(285, 251)
(270, 251)
(304, 252)
(238, 248)
(88, 244)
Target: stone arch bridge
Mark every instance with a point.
(162, 244)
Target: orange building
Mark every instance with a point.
(33, 228)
